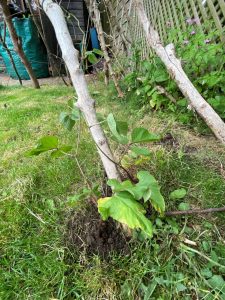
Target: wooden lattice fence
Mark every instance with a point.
(167, 14)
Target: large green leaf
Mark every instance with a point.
(125, 209)
(142, 135)
(117, 129)
(44, 144)
(147, 188)
(120, 186)
(126, 186)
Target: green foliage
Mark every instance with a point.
(118, 129)
(203, 59)
(91, 55)
(136, 151)
(183, 206)
(68, 119)
(123, 208)
(142, 135)
(127, 196)
(49, 143)
(178, 194)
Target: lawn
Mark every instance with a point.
(184, 260)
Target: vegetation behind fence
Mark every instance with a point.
(167, 14)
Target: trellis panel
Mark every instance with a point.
(166, 14)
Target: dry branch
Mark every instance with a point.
(194, 211)
(95, 15)
(2, 40)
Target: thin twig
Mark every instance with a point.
(117, 164)
(194, 211)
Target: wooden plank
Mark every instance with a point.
(193, 7)
(215, 16)
(169, 12)
(171, 17)
(163, 23)
(222, 6)
(203, 11)
(186, 8)
(182, 17)
(176, 19)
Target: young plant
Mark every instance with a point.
(129, 200)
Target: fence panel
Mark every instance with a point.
(166, 14)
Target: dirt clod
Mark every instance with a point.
(86, 232)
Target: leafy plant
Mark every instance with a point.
(125, 206)
(203, 60)
(129, 201)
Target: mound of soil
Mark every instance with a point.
(86, 232)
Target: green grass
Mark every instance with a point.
(35, 262)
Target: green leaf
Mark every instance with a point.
(160, 75)
(147, 188)
(142, 135)
(152, 190)
(44, 144)
(48, 142)
(70, 103)
(178, 194)
(180, 287)
(217, 282)
(61, 151)
(75, 114)
(140, 151)
(184, 206)
(66, 120)
(116, 129)
(206, 273)
(97, 51)
(125, 209)
(120, 186)
(122, 127)
(92, 58)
